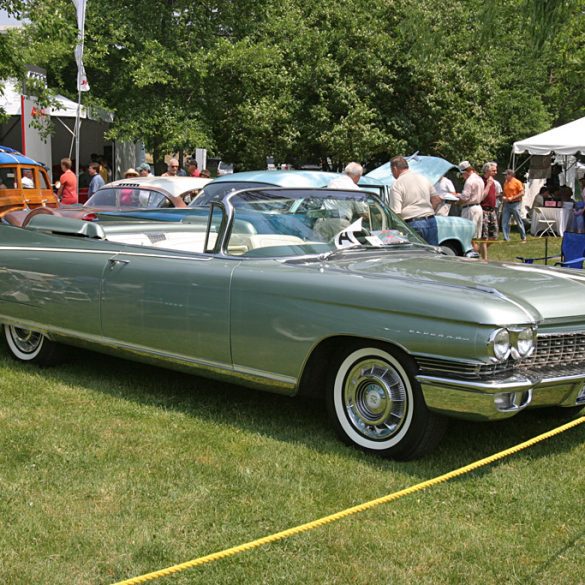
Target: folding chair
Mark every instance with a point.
(549, 225)
(572, 252)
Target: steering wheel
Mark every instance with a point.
(359, 235)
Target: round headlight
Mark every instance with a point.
(500, 344)
(525, 342)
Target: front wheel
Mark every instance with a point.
(452, 248)
(31, 346)
(376, 404)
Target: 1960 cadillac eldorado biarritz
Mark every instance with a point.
(304, 291)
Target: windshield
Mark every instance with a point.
(293, 222)
(127, 197)
(216, 191)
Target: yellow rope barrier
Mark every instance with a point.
(229, 552)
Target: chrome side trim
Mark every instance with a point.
(285, 380)
(152, 254)
(44, 249)
(286, 384)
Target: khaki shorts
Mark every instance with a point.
(475, 214)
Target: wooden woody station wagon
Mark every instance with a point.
(24, 183)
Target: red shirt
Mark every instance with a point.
(196, 173)
(490, 199)
(69, 184)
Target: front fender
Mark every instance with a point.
(456, 228)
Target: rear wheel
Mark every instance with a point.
(31, 346)
(376, 404)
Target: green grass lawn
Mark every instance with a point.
(110, 469)
(533, 248)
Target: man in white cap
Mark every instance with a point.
(471, 197)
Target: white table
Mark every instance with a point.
(560, 215)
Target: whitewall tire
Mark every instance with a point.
(377, 405)
(31, 346)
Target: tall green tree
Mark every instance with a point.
(308, 82)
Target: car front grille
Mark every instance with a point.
(559, 353)
(553, 350)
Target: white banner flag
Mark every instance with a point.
(82, 83)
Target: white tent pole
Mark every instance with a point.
(73, 135)
(72, 132)
(77, 133)
(82, 84)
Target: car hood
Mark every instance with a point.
(431, 167)
(473, 290)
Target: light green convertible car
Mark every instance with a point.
(304, 291)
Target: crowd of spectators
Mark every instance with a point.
(98, 172)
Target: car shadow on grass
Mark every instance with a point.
(294, 420)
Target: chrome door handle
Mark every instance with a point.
(116, 262)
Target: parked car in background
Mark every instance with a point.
(303, 291)
(224, 168)
(455, 233)
(134, 193)
(24, 183)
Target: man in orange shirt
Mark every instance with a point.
(67, 192)
(513, 193)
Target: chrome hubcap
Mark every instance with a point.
(27, 341)
(375, 399)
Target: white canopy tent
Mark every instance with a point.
(18, 132)
(564, 140)
(21, 132)
(10, 100)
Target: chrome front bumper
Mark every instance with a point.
(500, 398)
